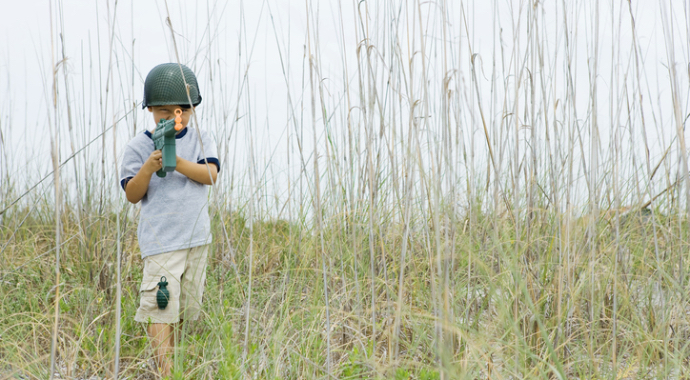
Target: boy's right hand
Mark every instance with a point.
(136, 187)
(154, 163)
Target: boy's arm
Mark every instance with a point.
(136, 188)
(197, 172)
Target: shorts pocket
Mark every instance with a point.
(147, 286)
(147, 295)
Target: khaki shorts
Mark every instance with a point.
(185, 271)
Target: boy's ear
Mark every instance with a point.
(150, 108)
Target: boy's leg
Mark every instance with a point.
(163, 345)
(161, 322)
(193, 283)
(191, 269)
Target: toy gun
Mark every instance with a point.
(164, 140)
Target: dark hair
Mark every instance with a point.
(184, 106)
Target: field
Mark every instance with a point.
(410, 204)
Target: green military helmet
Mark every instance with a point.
(165, 86)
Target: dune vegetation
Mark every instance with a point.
(422, 211)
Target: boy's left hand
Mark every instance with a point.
(197, 172)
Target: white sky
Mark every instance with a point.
(223, 40)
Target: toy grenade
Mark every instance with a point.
(163, 295)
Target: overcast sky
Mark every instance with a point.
(245, 47)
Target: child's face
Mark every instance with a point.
(168, 113)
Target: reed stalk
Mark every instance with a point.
(55, 154)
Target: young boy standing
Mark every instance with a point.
(174, 230)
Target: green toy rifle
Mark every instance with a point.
(164, 140)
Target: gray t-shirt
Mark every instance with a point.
(174, 210)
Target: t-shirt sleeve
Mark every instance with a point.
(209, 153)
(131, 163)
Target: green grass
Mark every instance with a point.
(482, 334)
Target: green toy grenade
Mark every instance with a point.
(163, 295)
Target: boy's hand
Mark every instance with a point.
(197, 172)
(154, 163)
(137, 186)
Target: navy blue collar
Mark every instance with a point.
(177, 136)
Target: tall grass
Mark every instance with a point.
(407, 203)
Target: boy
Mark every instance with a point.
(174, 228)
